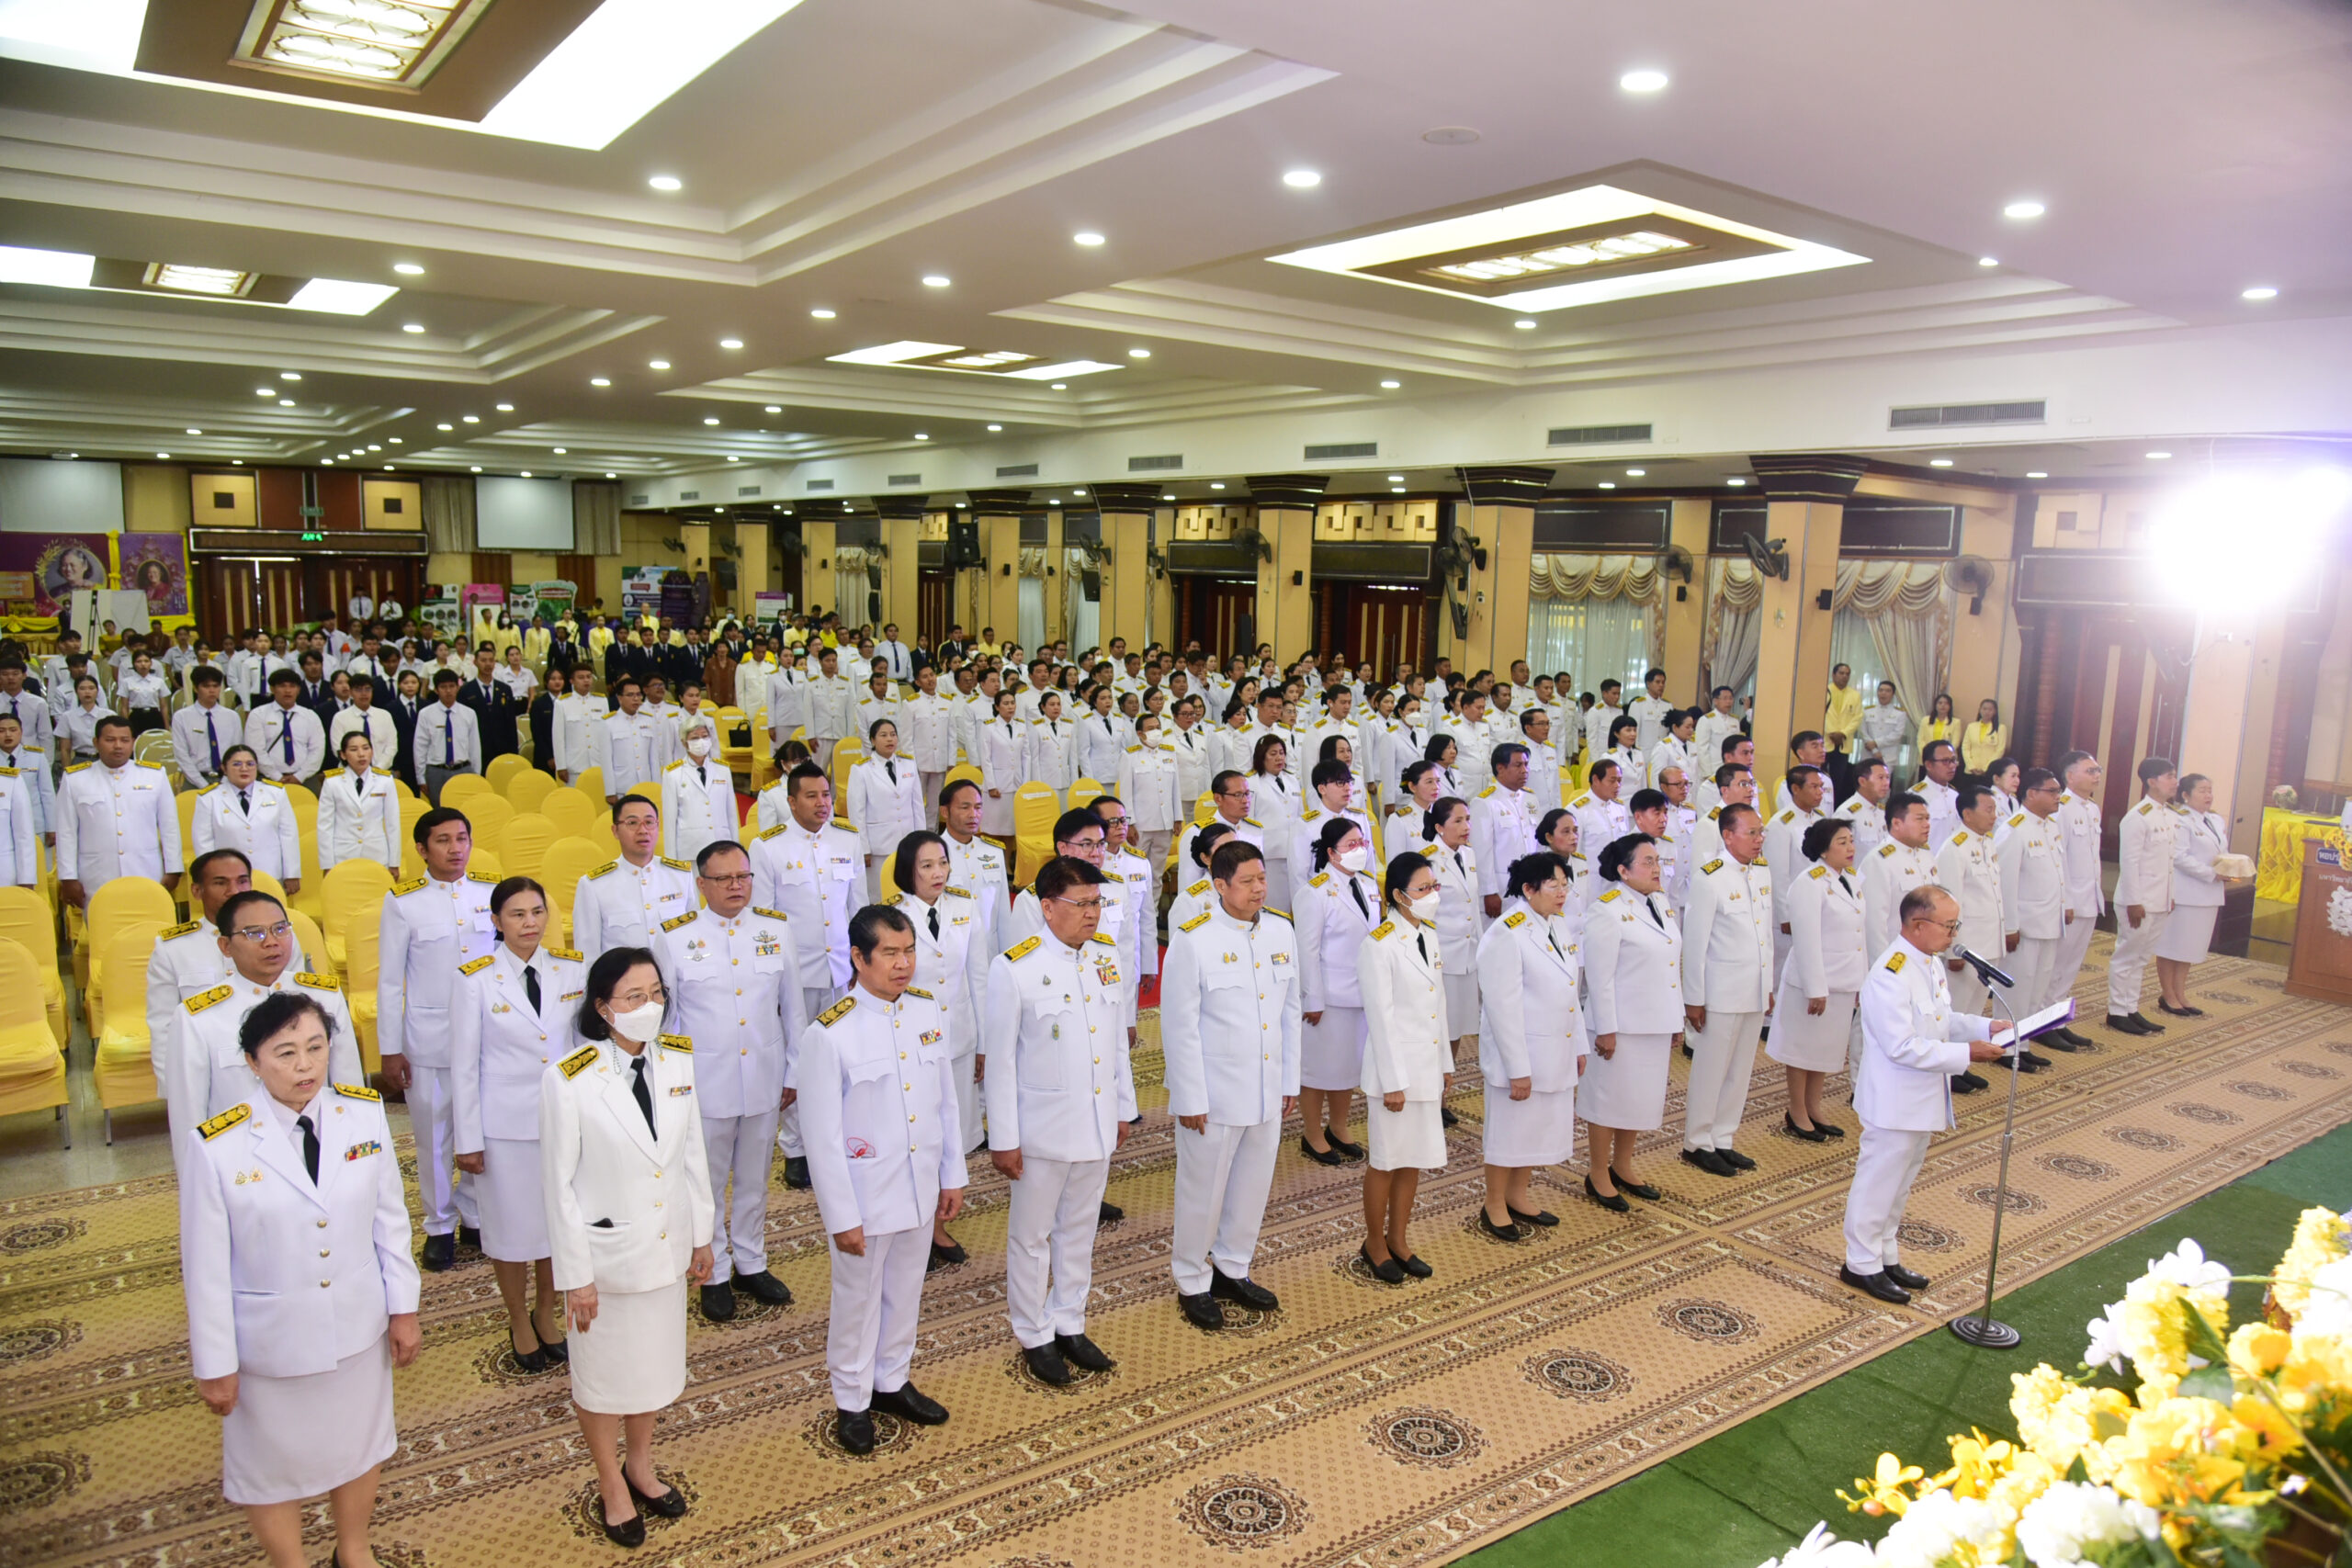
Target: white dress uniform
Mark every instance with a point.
(814, 879)
(1543, 776)
(1943, 810)
(1827, 958)
(115, 822)
(1138, 879)
(1004, 766)
(979, 866)
(1473, 759)
(360, 818)
(1103, 740)
(1784, 846)
(1672, 753)
(872, 710)
(1309, 829)
(699, 808)
(1893, 870)
(953, 947)
(632, 750)
(1051, 754)
(1633, 964)
(1633, 770)
(19, 828)
(1333, 913)
(1460, 920)
(2145, 841)
(258, 821)
(577, 714)
(1532, 1027)
(1191, 749)
(200, 735)
(288, 742)
(291, 1285)
(1649, 714)
(2033, 904)
(2079, 831)
(787, 696)
(1155, 806)
(1249, 830)
(1869, 822)
(500, 1049)
(871, 1071)
(927, 739)
(621, 904)
(628, 1200)
(1601, 823)
(1727, 931)
(1502, 829)
(41, 785)
(1230, 747)
(833, 712)
(430, 928)
(205, 1071)
(1913, 1042)
(2197, 889)
(885, 802)
(1232, 988)
(1966, 869)
(1406, 746)
(1054, 1030)
(1400, 973)
(735, 992)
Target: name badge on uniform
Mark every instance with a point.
(1106, 971)
(679, 1088)
(361, 1151)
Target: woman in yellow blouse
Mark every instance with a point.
(1984, 742)
(1939, 724)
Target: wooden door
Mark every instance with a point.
(934, 605)
(1389, 625)
(2109, 682)
(1219, 612)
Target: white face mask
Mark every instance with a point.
(640, 1024)
(698, 745)
(1425, 907)
(1351, 860)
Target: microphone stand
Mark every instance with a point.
(1984, 1331)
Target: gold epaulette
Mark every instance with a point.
(1959, 837)
(918, 991)
(684, 865)
(1818, 872)
(1711, 868)
(841, 1009)
(1383, 928)
(1269, 910)
(411, 885)
(1251, 822)
(1885, 850)
(674, 767)
(1199, 888)
(678, 1043)
(1611, 894)
(1894, 963)
(1515, 919)
(771, 833)
(357, 1091)
(568, 954)
(222, 1122)
(477, 966)
(578, 1062)
(484, 877)
(605, 870)
(181, 929)
(686, 918)
(1319, 879)
(1429, 852)
(1196, 923)
(73, 767)
(158, 767)
(956, 893)
(2019, 820)
(1759, 860)
(1022, 949)
(9, 773)
(1486, 792)
(1787, 815)
(770, 914)
(1107, 942)
(202, 999)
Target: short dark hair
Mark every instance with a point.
(1818, 834)
(509, 889)
(1613, 859)
(1499, 758)
(1330, 772)
(1901, 801)
(1206, 840)
(1804, 770)
(1531, 871)
(1863, 768)
(1071, 823)
(1062, 873)
(278, 1010)
(947, 791)
(1223, 777)
(2156, 768)
(633, 798)
(604, 977)
(866, 927)
(1731, 743)
(226, 921)
(1969, 792)
(2036, 778)
(1727, 817)
(1646, 800)
(1804, 737)
(712, 851)
(902, 859)
(802, 771)
(1399, 876)
(285, 677)
(1729, 772)
(203, 863)
(1229, 857)
(436, 818)
(444, 678)
(112, 721)
(1603, 768)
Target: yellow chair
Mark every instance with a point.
(489, 815)
(353, 894)
(847, 754)
(32, 1064)
(523, 847)
(407, 791)
(484, 861)
(591, 782)
(529, 790)
(576, 815)
(568, 860)
(734, 737)
(1204, 808)
(123, 902)
(309, 945)
(460, 789)
(366, 950)
(503, 769)
(309, 901)
(1035, 806)
(124, 1071)
(27, 918)
(1083, 793)
(185, 801)
(960, 772)
(411, 808)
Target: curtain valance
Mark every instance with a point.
(1596, 577)
(1914, 589)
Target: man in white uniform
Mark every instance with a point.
(1601, 818)
(1734, 785)
(1965, 869)
(786, 696)
(809, 868)
(1232, 988)
(1229, 793)
(1604, 713)
(187, 957)
(974, 864)
(1942, 766)
(1727, 974)
(1542, 760)
(1649, 711)
(1502, 825)
(632, 744)
(832, 707)
(2034, 916)
(2078, 831)
(623, 901)
(1056, 999)
(2143, 845)
(1913, 1045)
(1718, 724)
(927, 737)
(1784, 845)
(1866, 807)
(1138, 882)
(115, 818)
(1895, 868)
(577, 714)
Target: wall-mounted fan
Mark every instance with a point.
(1155, 560)
(1770, 556)
(1972, 575)
(1460, 551)
(1255, 542)
(1678, 563)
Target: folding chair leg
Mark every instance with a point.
(110, 1122)
(64, 1127)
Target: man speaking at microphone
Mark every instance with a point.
(1913, 1042)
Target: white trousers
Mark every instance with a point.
(2030, 966)
(2066, 965)
(930, 782)
(1723, 1059)
(741, 1147)
(877, 1299)
(969, 1110)
(2127, 972)
(433, 1119)
(1223, 1174)
(1884, 1170)
(1049, 1236)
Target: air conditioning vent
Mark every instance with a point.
(1018, 471)
(821, 484)
(906, 479)
(690, 495)
(1945, 417)
(1599, 435)
(1332, 449)
(747, 490)
(640, 501)
(1156, 465)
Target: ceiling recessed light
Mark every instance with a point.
(1396, 490)
(1988, 260)
(289, 375)
(444, 427)
(233, 462)
(1524, 324)
(2261, 292)
(476, 468)
(1139, 353)
(1061, 386)
(1643, 80)
(1396, 479)
(163, 454)
(710, 419)
(329, 463)
(560, 451)
(388, 467)
(823, 314)
(610, 475)
(412, 326)
(936, 280)
(731, 342)
(995, 427)
(1079, 491)
(1635, 473)
(666, 182)
(657, 364)
(2023, 209)
(194, 431)
(506, 407)
(1609, 484)
(469, 419)
(2036, 474)
(1450, 135)
(600, 380)
(1302, 179)
(2158, 457)
(1216, 484)
(1939, 462)
(732, 458)
(408, 269)
(1053, 500)
(265, 391)
(527, 473)
(396, 441)
(921, 436)
(377, 447)
(1735, 481)
(773, 408)
(286, 402)
(1390, 385)
(1086, 237)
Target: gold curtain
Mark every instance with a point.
(1596, 577)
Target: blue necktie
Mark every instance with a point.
(448, 740)
(213, 737)
(286, 735)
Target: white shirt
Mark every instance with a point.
(879, 1112)
(818, 880)
(430, 926)
(631, 748)
(446, 736)
(359, 819)
(1054, 1029)
(115, 822)
(257, 820)
(206, 1071)
(19, 826)
(577, 714)
(500, 1048)
(697, 808)
(383, 735)
(884, 809)
(270, 727)
(1892, 869)
(1727, 931)
(1829, 950)
(1912, 1043)
(1965, 867)
(2034, 877)
(1531, 1021)
(927, 732)
(2144, 855)
(735, 992)
(1502, 829)
(599, 1160)
(1231, 992)
(619, 904)
(1633, 959)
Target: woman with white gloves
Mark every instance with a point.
(1332, 913)
(1531, 1045)
(1633, 961)
(1407, 1066)
(2198, 890)
(1812, 1006)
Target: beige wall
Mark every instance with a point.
(1984, 647)
(1125, 582)
(1285, 609)
(1792, 663)
(1685, 618)
(817, 564)
(901, 575)
(156, 498)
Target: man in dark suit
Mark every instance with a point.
(562, 654)
(407, 699)
(317, 696)
(684, 663)
(495, 710)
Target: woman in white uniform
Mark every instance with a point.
(1198, 894)
(244, 813)
(299, 1186)
(514, 1011)
(1274, 807)
(1460, 919)
(953, 947)
(1442, 751)
(1102, 737)
(1422, 787)
(1812, 1006)
(1624, 749)
(1531, 1045)
(1633, 961)
(629, 1217)
(1560, 833)
(1052, 755)
(885, 802)
(1004, 763)
(1406, 1068)
(698, 805)
(1147, 783)
(1408, 743)
(1333, 910)
(2197, 893)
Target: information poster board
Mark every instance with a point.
(2321, 966)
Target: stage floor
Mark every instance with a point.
(1361, 1424)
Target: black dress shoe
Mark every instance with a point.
(717, 1304)
(1876, 1284)
(1688, 1054)
(2058, 1039)
(440, 1252)
(1509, 1231)
(630, 1531)
(1201, 1311)
(2149, 1024)
(1709, 1161)
(912, 1404)
(946, 1257)
(671, 1505)
(795, 1172)
(1967, 1082)
(1445, 1114)
(1109, 1213)
(1812, 1135)
(2080, 1041)
(1243, 1292)
(1734, 1159)
(1829, 1129)
(1322, 1156)
(469, 1235)
(854, 1429)
(1904, 1277)
(2130, 1023)
(763, 1287)
(536, 1360)
(1045, 1361)
(2029, 1063)
(1641, 1189)
(1612, 1201)
(1414, 1266)
(1347, 1150)
(1543, 1217)
(1388, 1272)
(1077, 1348)
(2179, 1011)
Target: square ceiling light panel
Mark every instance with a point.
(65, 269)
(1581, 247)
(392, 42)
(1011, 364)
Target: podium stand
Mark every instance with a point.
(2322, 966)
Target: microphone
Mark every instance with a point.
(1987, 971)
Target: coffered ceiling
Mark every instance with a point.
(1836, 171)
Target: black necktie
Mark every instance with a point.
(310, 1146)
(935, 923)
(1458, 865)
(1655, 919)
(531, 985)
(1357, 888)
(1424, 946)
(644, 1095)
(890, 768)
(245, 803)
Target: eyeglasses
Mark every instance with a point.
(727, 879)
(1084, 905)
(263, 933)
(626, 1001)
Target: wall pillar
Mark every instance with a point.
(696, 536)
(1058, 588)
(1806, 509)
(998, 511)
(1162, 620)
(1285, 610)
(1126, 511)
(2226, 721)
(1500, 503)
(817, 564)
(1685, 603)
(902, 518)
(756, 540)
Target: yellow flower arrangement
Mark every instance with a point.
(2319, 1239)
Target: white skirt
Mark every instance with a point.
(290, 1439)
(996, 814)
(1627, 1091)
(513, 1201)
(632, 1359)
(1539, 1129)
(2188, 936)
(1814, 1044)
(1330, 1053)
(1410, 1139)
(1277, 883)
(1460, 1003)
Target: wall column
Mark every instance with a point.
(1501, 506)
(817, 563)
(1686, 604)
(697, 541)
(1806, 509)
(902, 543)
(1286, 505)
(1126, 579)
(751, 567)
(1162, 588)
(1057, 577)
(998, 511)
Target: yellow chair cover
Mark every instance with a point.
(529, 790)
(309, 901)
(847, 753)
(2280, 866)
(489, 815)
(27, 918)
(501, 770)
(591, 782)
(32, 1064)
(484, 861)
(525, 844)
(463, 788)
(1083, 792)
(124, 902)
(124, 1070)
(366, 950)
(576, 815)
(1035, 806)
(353, 895)
(569, 859)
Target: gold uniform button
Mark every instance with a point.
(910, 1119)
(323, 1252)
(325, 1284)
(322, 1224)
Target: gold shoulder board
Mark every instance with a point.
(567, 955)
(1611, 894)
(9, 773)
(2019, 820)
(158, 767)
(318, 982)
(1199, 888)
(1894, 963)
(1246, 821)
(770, 914)
(1429, 852)
(686, 918)
(222, 1122)
(578, 1062)
(1885, 850)
(1310, 815)
(605, 870)
(181, 929)
(2146, 807)
(476, 966)
(1269, 909)
(678, 1043)
(1515, 919)
(841, 1009)
(1486, 792)
(957, 893)
(1713, 812)
(411, 885)
(918, 991)
(1196, 923)
(1787, 815)
(1818, 872)
(1759, 860)
(76, 768)
(1711, 868)
(356, 1091)
(1959, 837)
(1022, 949)
(685, 865)
(1319, 879)
(771, 833)
(1105, 940)
(674, 767)
(484, 877)
(202, 999)
(1379, 931)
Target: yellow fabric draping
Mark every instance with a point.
(1596, 577)
(1032, 562)
(1879, 588)
(2279, 873)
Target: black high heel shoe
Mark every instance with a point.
(1507, 1232)
(1322, 1156)
(1388, 1272)
(533, 1361)
(1612, 1201)
(1810, 1135)
(671, 1505)
(1641, 1189)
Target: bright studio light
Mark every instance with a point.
(2242, 541)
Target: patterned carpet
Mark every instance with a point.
(1361, 1424)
